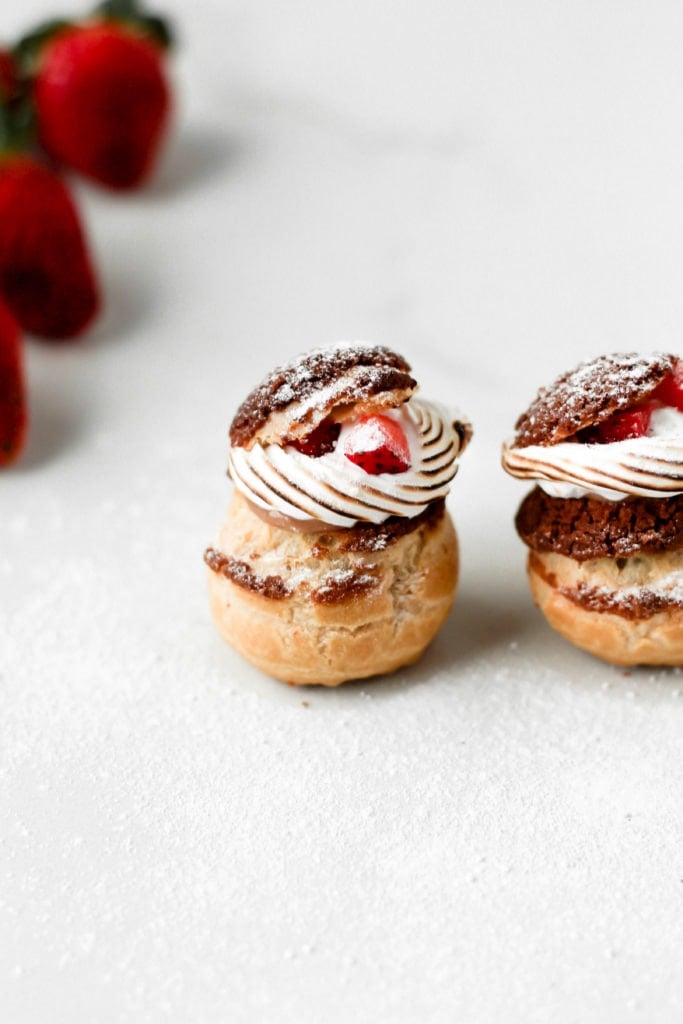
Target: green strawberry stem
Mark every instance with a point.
(27, 51)
(17, 127)
(124, 9)
(129, 12)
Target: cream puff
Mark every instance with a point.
(604, 525)
(337, 558)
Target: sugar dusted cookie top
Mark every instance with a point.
(589, 395)
(294, 399)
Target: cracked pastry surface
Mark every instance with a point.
(626, 611)
(320, 608)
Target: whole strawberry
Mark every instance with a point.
(46, 277)
(101, 95)
(13, 417)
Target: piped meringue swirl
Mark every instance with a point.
(332, 490)
(649, 466)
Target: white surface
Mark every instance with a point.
(494, 835)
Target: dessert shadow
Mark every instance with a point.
(483, 624)
(477, 628)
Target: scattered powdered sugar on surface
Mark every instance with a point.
(491, 835)
(182, 839)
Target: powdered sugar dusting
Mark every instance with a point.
(350, 372)
(342, 583)
(340, 577)
(640, 601)
(669, 588)
(179, 832)
(380, 542)
(589, 394)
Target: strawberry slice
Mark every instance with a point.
(12, 394)
(378, 445)
(621, 425)
(320, 441)
(670, 391)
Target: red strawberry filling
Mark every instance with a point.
(378, 444)
(635, 422)
(621, 426)
(320, 441)
(670, 391)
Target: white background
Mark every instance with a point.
(494, 835)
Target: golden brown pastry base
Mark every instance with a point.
(387, 609)
(572, 596)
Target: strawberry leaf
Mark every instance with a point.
(17, 126)
(27, 51)
(129, 13)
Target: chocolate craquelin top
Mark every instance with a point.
(371, 370)
(589, 395)
(586, 528)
